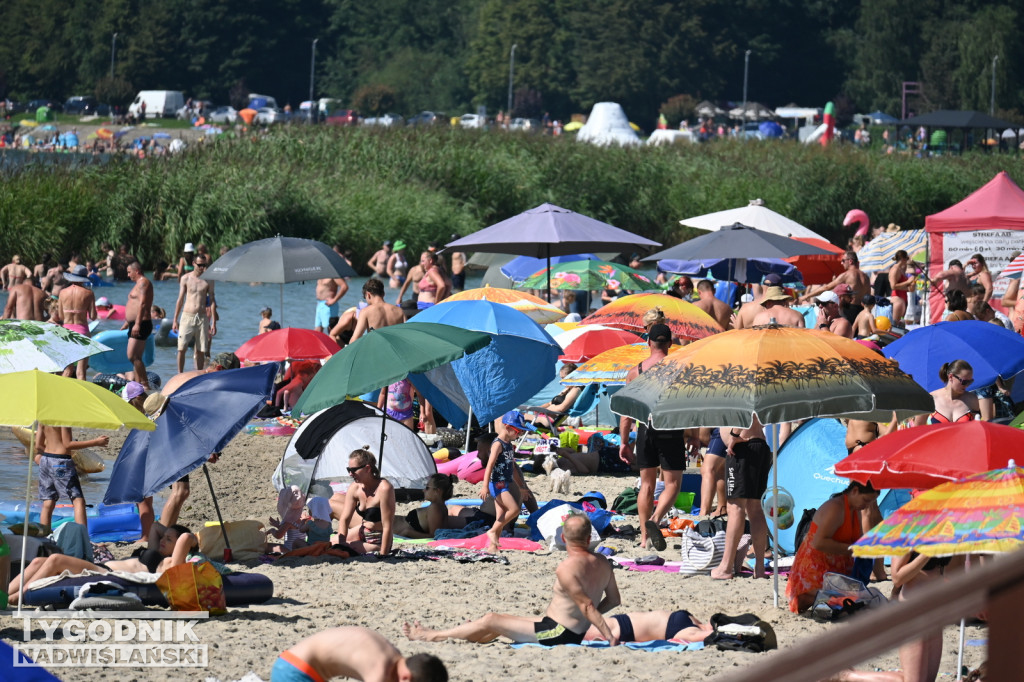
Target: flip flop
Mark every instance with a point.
(655, 536)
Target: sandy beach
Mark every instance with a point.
(314, 594)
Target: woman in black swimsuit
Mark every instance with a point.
(425, 521)
(373, 498)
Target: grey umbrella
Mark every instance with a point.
(547, 231)
(738, 241)
(279, 260)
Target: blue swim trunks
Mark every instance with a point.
(423, 305)
(290, 668)
(324, 313)
(58, 478)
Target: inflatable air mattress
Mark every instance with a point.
(240, 589)
(116, 359)
(113, 523)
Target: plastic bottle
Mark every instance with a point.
(5, 571)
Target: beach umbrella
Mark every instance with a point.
(611, 367)
(518, 362)
(199, 419)
(771, 129)
(881, 118)
(533, 307)
(594, 341)
(732, 269)
(523, 267)
(737, 241)
(27, 344)
(279, 260)
(818, 268)
(565, 333)
(547, 231)
(1014, 268)
(877, 254)
(926, 456)
(288, 344)
(755, 214)
(247, 115)
(44, 398)
(992, 350)
(778, 374)
(589, 275)
(686, 320)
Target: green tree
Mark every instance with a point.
(374, 99)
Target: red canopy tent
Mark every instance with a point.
(989, 222)
(818, 269)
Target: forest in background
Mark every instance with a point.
(453, 55)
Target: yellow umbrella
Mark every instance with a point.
(533, 307)
(53, 400)
(572, 126)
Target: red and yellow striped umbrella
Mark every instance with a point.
(983, 513)
(686, 320)
(611, 366)
(533, 307)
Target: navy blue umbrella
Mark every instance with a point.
(200, 418)
(771, 129)
(733, 269)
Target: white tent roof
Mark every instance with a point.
(670, 136)
(608, 125)
(755, 214)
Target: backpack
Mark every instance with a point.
(803, 528)
(746, 632)
(625, 503)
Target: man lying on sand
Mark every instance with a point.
(648, 626)
(355, 653)
(581, 580)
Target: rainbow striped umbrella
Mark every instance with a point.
(686, 320)
(983, 513)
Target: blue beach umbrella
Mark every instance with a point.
(733, 269)
(522, 268)
(518, 362)
(771, 129)
(992, 351)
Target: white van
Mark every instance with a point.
(159, 103)
(258, 102)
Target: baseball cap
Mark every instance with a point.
(514, 418)
(189, 248)
(773, 279)
(843, 289)
(132, 390)
(775, 294)
(827, 297)
(659, 333)
(226, 360)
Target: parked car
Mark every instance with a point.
(387, 120)
(426, 118)
(226, 114)
(269, 115)
(184, 114)
(530, 125)
(342, 117)
(472, 121)
(53, 104)
(81, 105)
(11, 106)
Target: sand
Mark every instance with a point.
(314, 594)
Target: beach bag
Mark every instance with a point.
(625, 503)
(569, 439)
(193, 587)
(247, 539)
(841, 595)
(804, 527)
(700, 554)
(712, 526)
(746, 632)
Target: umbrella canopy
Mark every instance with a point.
(27, 344)
(708, 109)
(926, 456)
(753, 111)
(1014, 269)
(945, 118)
(45, 398)
(732, 269)
(880, 118)
(737, 241)
(818, 269)
(992, 350)
(686, 320)
(594, 341)
(523, 267)
(535, 308)
(780, 374)
(565, 333)
(589, 275)
(979, 514)
(279, 260)
(755, 214)
(771, 129)
(877, 254)
(289, 343)
(611, 367)
(384, 357)
(519, 361)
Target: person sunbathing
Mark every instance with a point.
(547, 414)
(425, 521)
(647, 626)
(372, 498)
(168, 547)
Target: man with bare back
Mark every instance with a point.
(25, 302)
(14, 273)
(707, 302)
(775, 309)
(379, 313)
(853, 277)
(138, 320)
(328, 292)
(197, 297)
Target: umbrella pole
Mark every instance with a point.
(220, 519)
(775, 516)
(469, 428)
(282, 304)
(28, 509)
(548, 250)
(384, 423)
(960, 654)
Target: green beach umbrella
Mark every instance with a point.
(590, 275)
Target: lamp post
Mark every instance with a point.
(313, 110)
(992, 102)
(746, 71)
(113, 51)
(511, 77)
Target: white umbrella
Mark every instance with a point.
(27, 344)
(755, 214)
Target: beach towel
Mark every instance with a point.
(463, 556)
(483, 542)
(653, 645)
(630, 565)
(322, 549)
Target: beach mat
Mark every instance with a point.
(630, 565)
(483, 542)
(240, 589)
(653, 645)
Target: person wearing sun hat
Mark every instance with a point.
(76, 306)
(775, 309)
(398, 265)
(500, 475)
(750, 308)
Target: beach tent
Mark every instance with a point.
(607, 125)
(320, 448)
(990, 222)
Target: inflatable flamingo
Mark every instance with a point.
(861, 219)
(829, 120)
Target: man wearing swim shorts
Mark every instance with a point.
(328, 292)
(584, 589)
(652, 625)
(195, 323)
(748, 460)
(138, 320)
(355, 653)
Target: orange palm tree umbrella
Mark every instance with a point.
(533, 307)
(686, 320)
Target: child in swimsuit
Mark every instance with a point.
(500, 474)
(318, 527)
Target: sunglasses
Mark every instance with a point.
(201, 265)
(963, 382)
(353, 470)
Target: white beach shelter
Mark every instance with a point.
(755, 214)
(659, 137)
(608, 125)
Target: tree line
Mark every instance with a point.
(454, 55)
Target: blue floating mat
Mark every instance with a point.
(116, 359)
(653, 645)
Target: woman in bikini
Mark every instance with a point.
(168, 547)
(431, 286)
(423, 522)
(953, 404)
(373, 499)
(76, 305)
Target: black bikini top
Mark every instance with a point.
(370, 514)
